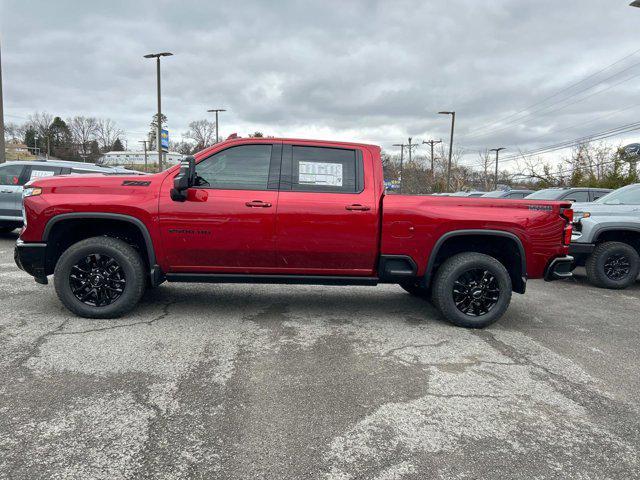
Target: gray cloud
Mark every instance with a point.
(370, 70)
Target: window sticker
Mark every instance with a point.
(40, 174)
(319, 173)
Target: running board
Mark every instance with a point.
(282, 279)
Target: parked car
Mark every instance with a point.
(571, 194)
(259, 210)
(13, 176)
(606, 238)
(513, 194)
(467, 194)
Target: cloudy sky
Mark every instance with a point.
(375, 71)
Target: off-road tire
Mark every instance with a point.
(126, 257)
(601, 254)
(451, 270)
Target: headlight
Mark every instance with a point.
(31, 192)
(577, 216)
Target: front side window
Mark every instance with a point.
(10, 175)
(245, 167)
(321, 169)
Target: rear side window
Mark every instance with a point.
(11, 175)
(83, 172)
(516, 195)
(321, 169)
(245, 167)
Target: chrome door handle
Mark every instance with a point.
(258, 203)
(357, 206)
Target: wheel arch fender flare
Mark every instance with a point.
(474, 232)
(598, 231)
(105, 216)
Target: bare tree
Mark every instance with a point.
(40, 122)
(486, 162)
(107, 132)
(203, 132)
(14, 132)
(83, 131)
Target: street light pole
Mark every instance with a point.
(497, 150)
(2, 154)
(453, 125)
(159, 120)
(217, 110)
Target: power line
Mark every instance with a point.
(586, 139)
(569, 87)
(549, 109)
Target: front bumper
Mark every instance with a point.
(31, 257)
(576, 248)
(559, 268)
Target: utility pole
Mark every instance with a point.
(497, 150)
(144, 142)
(432, 143)
(453, 125)
(401, 145)
(2, 154)
(159, 120)
(217, 110)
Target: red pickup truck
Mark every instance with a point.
(284, 211)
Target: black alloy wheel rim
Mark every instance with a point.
(617, 267)
(97, 280)
(476, 292)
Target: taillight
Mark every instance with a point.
(567, 214)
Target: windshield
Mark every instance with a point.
(629, 195)
(494, 194)
(546, 194)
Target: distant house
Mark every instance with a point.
(136, 157)
(16, 150)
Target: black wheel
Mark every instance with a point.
(472, 290)
(100, 277)
(417, 290)
(613, 265)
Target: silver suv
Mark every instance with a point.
(13, 176)
(606, 237)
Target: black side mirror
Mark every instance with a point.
(184, 180)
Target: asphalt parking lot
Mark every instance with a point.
(281, 382)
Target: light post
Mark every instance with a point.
(497, 150)
(216, 110)
(159, 120)
(453, 125)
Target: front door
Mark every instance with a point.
(328, 219)
(12, 179)
(227, 223)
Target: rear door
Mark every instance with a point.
(328, 219)
(12, 179)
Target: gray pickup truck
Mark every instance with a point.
(606, 238)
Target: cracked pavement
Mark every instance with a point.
(288, 382)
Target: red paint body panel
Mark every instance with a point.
(301, 233)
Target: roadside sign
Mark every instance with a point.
(392, 184)
(164, 140)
